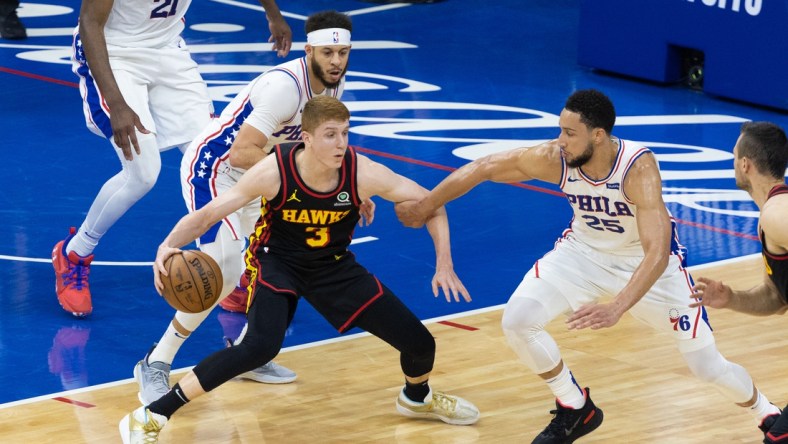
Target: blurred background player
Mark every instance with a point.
(11, 28)
(265, 113)
(142, 91)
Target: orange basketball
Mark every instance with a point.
(193, 281)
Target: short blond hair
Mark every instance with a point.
(320, 109)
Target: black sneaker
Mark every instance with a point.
(768, 422)
(11, 28)
(775, 428)
(569, 424)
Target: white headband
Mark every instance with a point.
(328, 37)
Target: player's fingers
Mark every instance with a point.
(134, 143)
(140, 127)
(123, 143)
(157, 284)
(464, 292)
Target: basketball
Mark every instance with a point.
(193, 281)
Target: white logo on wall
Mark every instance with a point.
(752, 7)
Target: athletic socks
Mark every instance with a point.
(417, 392)
(168, 404)
(168, 346)
(566, 390)
(82, 243)
(762, 408)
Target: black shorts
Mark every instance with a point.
(340, 290)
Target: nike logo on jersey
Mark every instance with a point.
(572, 179)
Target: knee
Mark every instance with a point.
(143, 171)
(707, 367)
(424, 348)
(522, 319)
(258, 348)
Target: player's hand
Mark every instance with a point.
(411, 214)
(452, 286)
(124, 121)
(367, 212)
(595, 316)
(710, 293)
(281, 35)
(162, 255)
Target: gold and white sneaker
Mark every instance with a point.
(449, 409)
(141, 427)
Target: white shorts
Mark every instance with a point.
(205, 177)
(163, 86)
(582, 275)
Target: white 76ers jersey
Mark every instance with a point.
(272, 103)
(604, 218)
(145, 23)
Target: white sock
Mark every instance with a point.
(82, 243)
(141, 415)
(168, 346)
(566, 390)
(762, 408)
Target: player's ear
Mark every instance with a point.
(599, 135)
(308, 50)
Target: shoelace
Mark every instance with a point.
(558, 425)
(151, 429)
(161, 377)
(269, 366)
(446, 403)
(76, 275)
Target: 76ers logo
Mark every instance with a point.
(679, 322)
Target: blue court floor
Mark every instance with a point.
(430, 87)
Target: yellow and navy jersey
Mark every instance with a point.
(305, 225)
(776, 264)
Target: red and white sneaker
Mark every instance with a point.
(236, 301)
(71, 278)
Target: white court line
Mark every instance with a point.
(325, 341)
(359, 240)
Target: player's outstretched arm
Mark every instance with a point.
(761, 300)
(281, 35)
(376, 179)
(541, 162)
(93, 16)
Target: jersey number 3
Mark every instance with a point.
(320, 237)
(165, 9)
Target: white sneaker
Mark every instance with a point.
(141, 427)
(271, 373)
(447, 408)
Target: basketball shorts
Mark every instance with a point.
(340, 290)
(203, 179)
(582, 275)
(162, 85)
